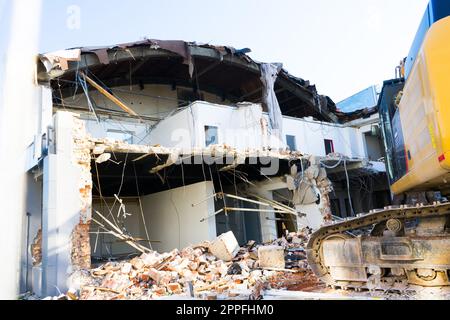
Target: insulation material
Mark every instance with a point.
(269, 75)
(57, 62)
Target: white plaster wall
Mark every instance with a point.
(18, 116)
(310, 136)
(175, 131)
(239, 127)
(172, 219)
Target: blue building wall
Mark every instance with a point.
(366, 98)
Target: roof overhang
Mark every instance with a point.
(224, 71)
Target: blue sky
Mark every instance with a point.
(342, 46)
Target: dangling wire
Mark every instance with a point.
(84, 86)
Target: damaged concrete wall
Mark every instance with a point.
(67, 204)
(310, 136)
(311, 188)
(239, 127)
(172, 220)
(244, 128)
(153, 101)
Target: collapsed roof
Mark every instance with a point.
(222, 70)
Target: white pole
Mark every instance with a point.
(18, 117)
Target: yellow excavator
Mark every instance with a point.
(406, 245)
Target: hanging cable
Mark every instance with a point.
(84, 86)
(348, 188)
(140, 206)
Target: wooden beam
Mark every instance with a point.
(108, 95)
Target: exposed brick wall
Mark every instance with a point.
(81, 248)
(82, 158)
(36, 248)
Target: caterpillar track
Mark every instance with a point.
(406, 248)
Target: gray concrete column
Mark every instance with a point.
(62, 206)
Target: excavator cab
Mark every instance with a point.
(392, 133)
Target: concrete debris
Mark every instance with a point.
(154, 275)
(225, 247)
(312, 186)
(271, 257)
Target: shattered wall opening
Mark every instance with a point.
(168, 204)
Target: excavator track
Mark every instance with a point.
(339, 232)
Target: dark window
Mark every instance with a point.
(336, 208)
(329, 146)
(211, 135)
(348, 209)
(396, 162)
(290, 141)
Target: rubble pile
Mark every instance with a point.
(294, 245)
(194, 272)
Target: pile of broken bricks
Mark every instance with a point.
(211, 270)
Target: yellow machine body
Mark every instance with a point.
(425, 115)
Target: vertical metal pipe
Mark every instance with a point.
(27, 252)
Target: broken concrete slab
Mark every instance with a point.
(225, 247)
(271, 257)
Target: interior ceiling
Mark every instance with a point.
(226, 80)
(128, 178)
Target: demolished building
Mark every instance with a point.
(172, 143)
